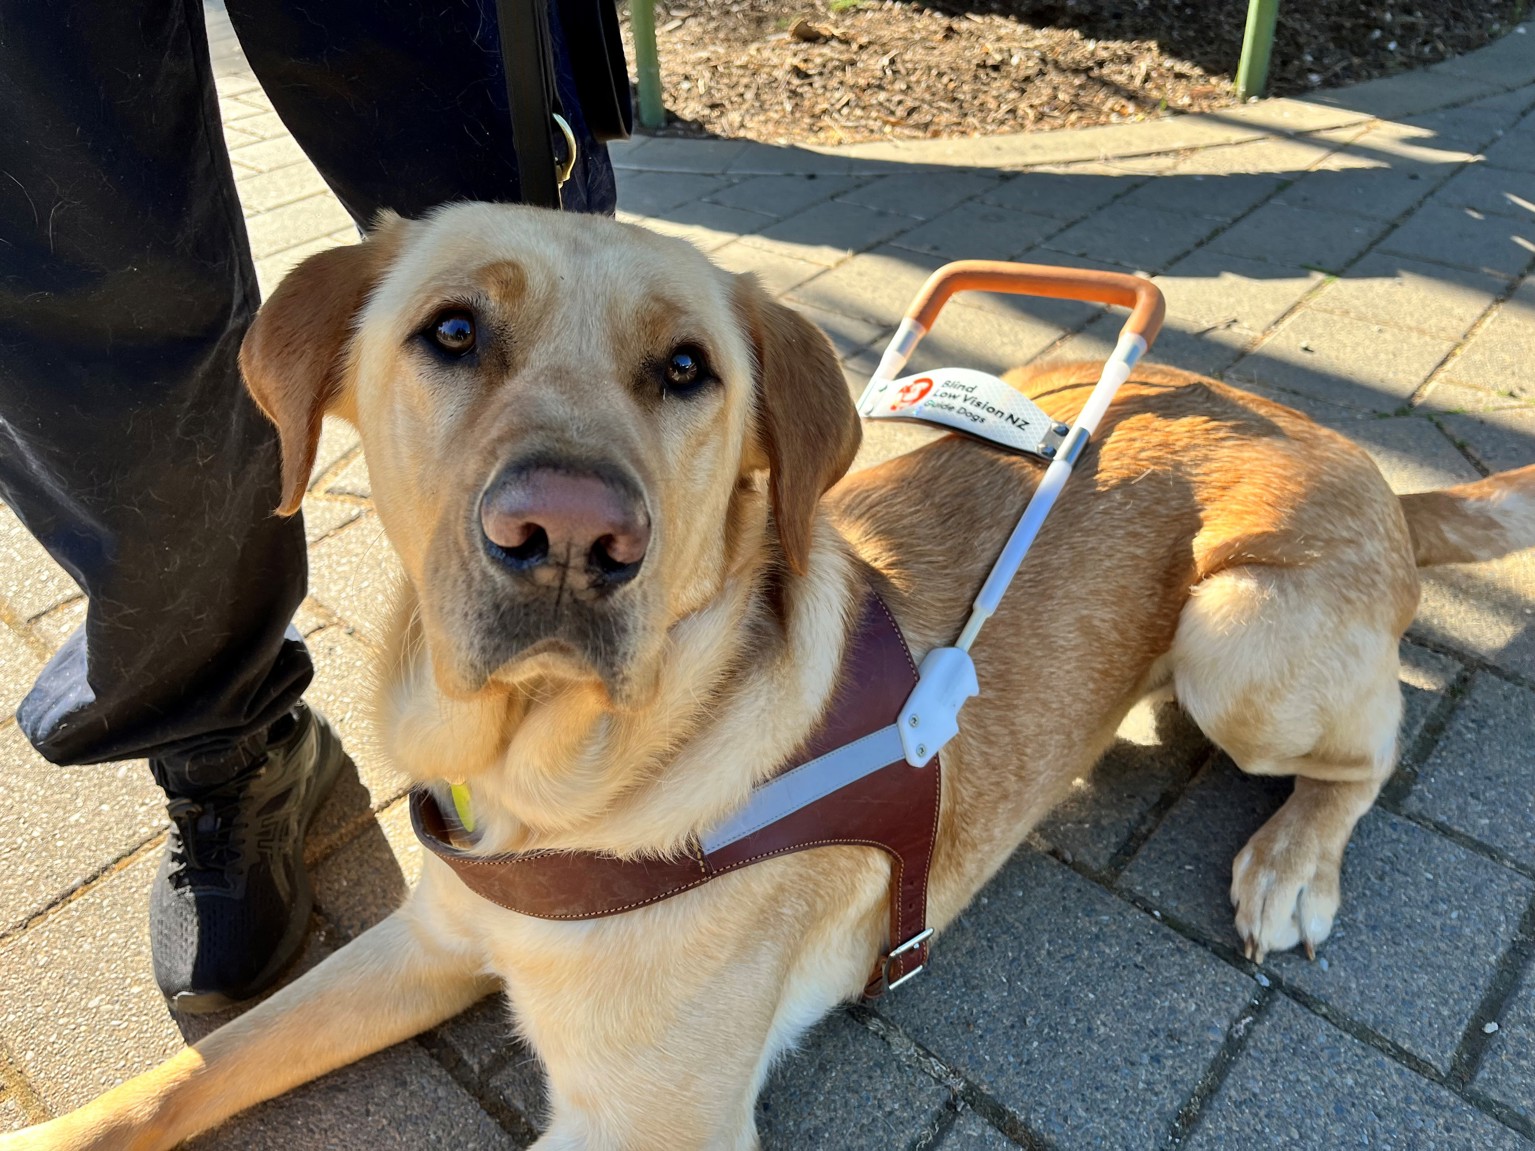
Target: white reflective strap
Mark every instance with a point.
(969, 401)
(899, 350)
(1116, 370)
(789, 792)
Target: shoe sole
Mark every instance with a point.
(329, 761)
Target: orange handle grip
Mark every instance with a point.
(1142, 297)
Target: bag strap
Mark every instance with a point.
(527, 58)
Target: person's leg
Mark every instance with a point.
(403, 105)
(129, 448)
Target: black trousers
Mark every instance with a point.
(127, 443)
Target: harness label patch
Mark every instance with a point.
(969, 401)
(912, 394)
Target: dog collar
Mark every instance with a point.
(849, 784)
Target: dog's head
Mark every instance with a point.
(566, 422)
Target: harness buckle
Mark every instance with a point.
(885, 983)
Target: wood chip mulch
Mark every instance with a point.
(842, 71)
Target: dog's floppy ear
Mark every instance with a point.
(294, 355)
(806, 418)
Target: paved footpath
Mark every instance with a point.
(1364, 256)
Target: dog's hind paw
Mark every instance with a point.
(1284, 886)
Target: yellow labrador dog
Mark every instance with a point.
(605, 464)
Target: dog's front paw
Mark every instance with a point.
(1284, 886)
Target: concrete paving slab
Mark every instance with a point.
(972, 337)
(1143, 239)
(297, 223)
(1395, 96)
(77, 1029)
(663, 154)
(778, 271)
(338, 439)
(979, 230)
(781, 196)
(1464, 129)
(829, 233)
(270, 271)
(397, 1100)
(923, 195)
(1208, 289)
(53, 628)
(1477, 778)
(1485, 610)
(1282, 158)
(1413, 454)
(1466, 238)
(1399, 292)
(12, 1117)
(1209, 351)
(344, 674)
(1495, 191)
(477, 1040)
(1446, 398)
(1499, 440)
(758, 159)
(1344, 360)
(1376, 190)
(1516, 149)
(1507, 1072)
(845, 1088)
(1087, 1018)
(655, 193)
(1339, 417)
(34, 583)
(972, 1133)
(19, 664)
(848, 335)
(1066, 194)
(1412, 951)
(352, 480)
(519, 1086)
(1508, 61)
(706, 226)
(322, 517)
(1299, 237)
(365, 880)
(1184, 868)
(1158, 752)
(60, 826)
(875, 286)
(1426, 677)
(1222, 196)
(1302, 1083)
(1423, 926)
(1497, 356)
(354, 572)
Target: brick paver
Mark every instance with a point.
(1364, 256)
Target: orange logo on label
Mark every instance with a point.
(911, 393)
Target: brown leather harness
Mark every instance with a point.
(893, 808)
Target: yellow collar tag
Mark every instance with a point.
(462, 806)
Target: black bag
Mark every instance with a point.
(602, 85)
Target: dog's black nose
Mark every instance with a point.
(574, 528)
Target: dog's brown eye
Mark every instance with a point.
(685, 369)
(454, 332)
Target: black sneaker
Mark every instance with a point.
(231, 903)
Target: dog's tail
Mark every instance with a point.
(1473, 522)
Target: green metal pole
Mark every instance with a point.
(647, 61)
(1257, 43)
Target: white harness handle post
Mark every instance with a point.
(985, 406)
